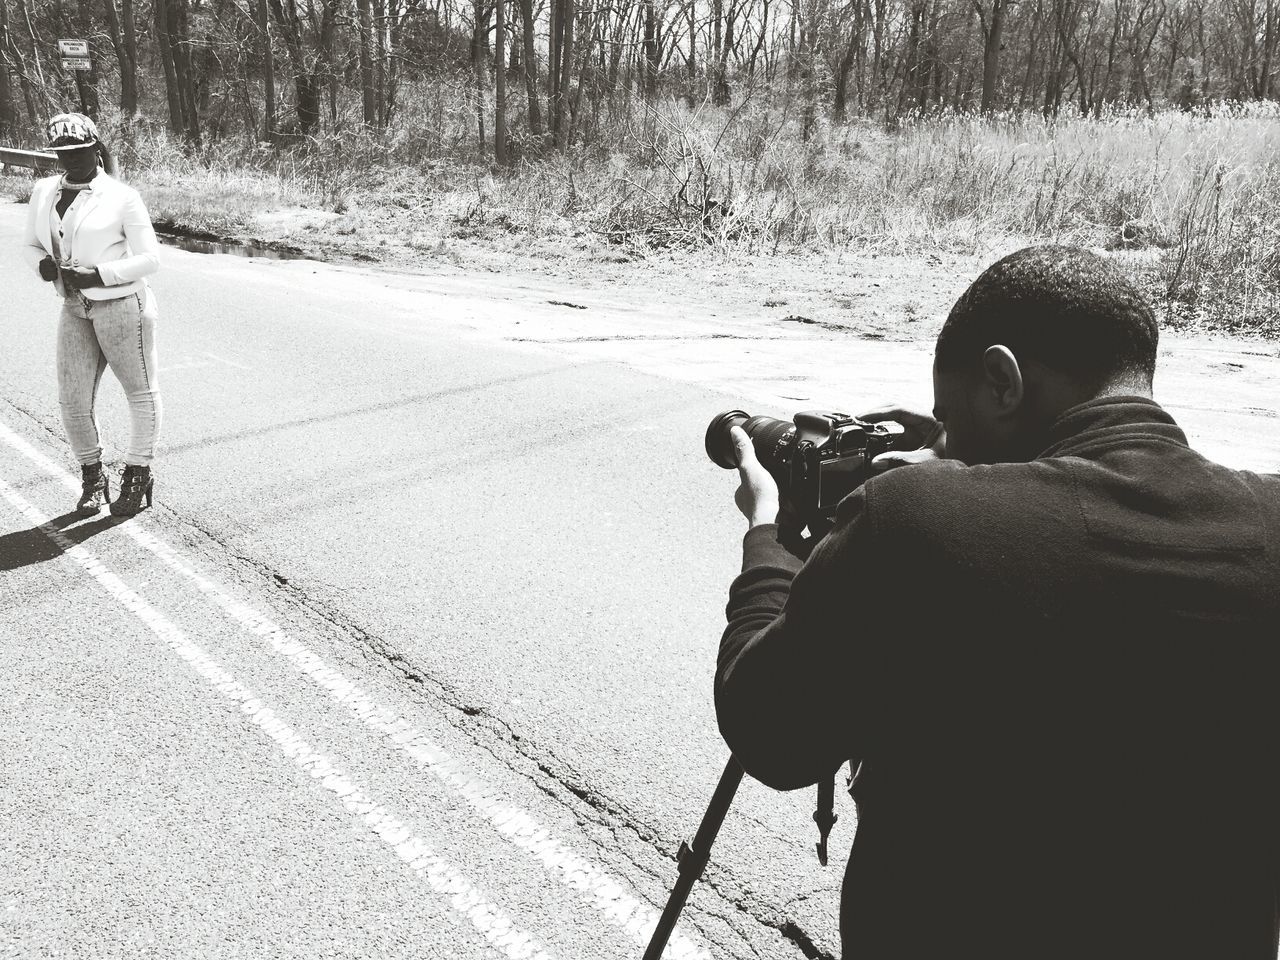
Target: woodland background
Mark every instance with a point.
(764, 126)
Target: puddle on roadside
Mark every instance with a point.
(191, 245)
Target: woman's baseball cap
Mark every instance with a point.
(71, 131)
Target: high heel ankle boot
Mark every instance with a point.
(94, 491)
(135, 483)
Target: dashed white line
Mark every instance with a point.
(607, 895)
(443, 878)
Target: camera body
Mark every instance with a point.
(832, 457)
(817, 460)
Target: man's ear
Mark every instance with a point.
(1003, 378)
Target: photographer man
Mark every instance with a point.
(1052, 648)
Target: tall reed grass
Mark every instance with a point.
(1198, 194)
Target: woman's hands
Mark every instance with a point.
(81, 278)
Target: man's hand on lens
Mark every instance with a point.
(924, 438)
(81, 278)
(49, 269)
(760, 501)
(757, 495)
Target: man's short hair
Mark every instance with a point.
(1062, 306)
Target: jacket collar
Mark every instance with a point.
(1108, 419)
(100, 186)
(101, 182)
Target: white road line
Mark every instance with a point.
(600, 890)
(488, 920)
(229, 363)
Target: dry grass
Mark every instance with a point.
(1201, 194)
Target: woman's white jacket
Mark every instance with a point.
(108, 228)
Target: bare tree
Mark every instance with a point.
(263, 22)
(8, 115)
(564, 72)
(991, 20)
(310, 56)
(500, 93)
(530, 67)
(368, 95)
(479, 46)
(126, 48)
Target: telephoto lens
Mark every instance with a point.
(771, 439)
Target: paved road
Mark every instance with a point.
(380, 541)
(413, 656)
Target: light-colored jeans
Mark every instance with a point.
(91, 335)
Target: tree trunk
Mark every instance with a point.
(8, 115)
(566, 75)
(935, 68)
(127, 59)
(500, 93)
(380, 61)
(809, 68)
(368, 99)
(650, 62)
(1270, 42)
(721, 93)
(555, 13)
(478, 71)
(394, 30)
(530, 68)
(170, 70)
(691, 61)
(879, 71)
(129, 40)
(180, 37)
(39, 106)
(908, 94)
(839, 108)
(755, 51)
(306, 82)
(992, 38)
(719, 88)
(268, 71)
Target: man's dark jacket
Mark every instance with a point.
(1060, 677)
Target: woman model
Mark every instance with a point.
(91, 237)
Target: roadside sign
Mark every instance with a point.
(76, 63)
(73, 48)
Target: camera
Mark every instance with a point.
(817, 460)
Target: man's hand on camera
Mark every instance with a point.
(760, 501)
(757, 495)
(81, 278)
(923, 439)
(49, 269)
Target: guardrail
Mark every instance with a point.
(32, 159)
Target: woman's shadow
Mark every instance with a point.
(26, 548)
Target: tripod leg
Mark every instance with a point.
(693, 860)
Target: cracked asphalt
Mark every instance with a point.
(413, 656)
